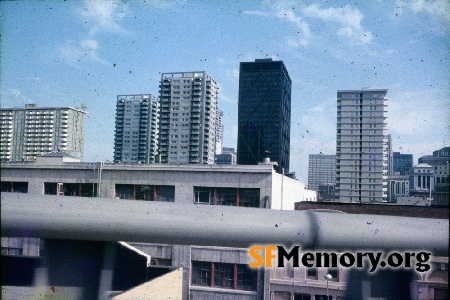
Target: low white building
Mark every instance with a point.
(235, 185)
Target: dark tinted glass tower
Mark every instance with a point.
(264, 113)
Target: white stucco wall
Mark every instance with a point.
(286, 191)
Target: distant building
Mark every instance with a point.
(31, 131)
(264, 113)
(136, 128)
(421, 180)
(440, 161)
(226, 157)
(439, 158)
(390, 156)
(403, 163)
(321, 170)
(326, 192)
(361, 146)
(398, 186)
(189, 118)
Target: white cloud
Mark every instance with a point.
(76, 54)
(349, 18)
(105, 15)
(284, 11)
(439, 8)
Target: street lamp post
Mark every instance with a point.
(327, 277)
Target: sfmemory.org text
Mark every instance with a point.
(263, 256)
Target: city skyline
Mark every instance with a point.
(112, 49)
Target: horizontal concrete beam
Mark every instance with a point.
(161, 222)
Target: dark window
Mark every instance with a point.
(201, 273)
(125, 191)
(145, 192)
(203, 195)
(50, 188)
(312, 272)
(246, 278)
(226, 196)
(224, 275)
(14, 187)
(302, 297)
(249, 197)
(323, 297)
(165, 193)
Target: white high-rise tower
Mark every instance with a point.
(361, 146)
(188, 133)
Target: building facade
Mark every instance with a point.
(264, 113)
(361, 146)
(403, 163)
(189, 114)
(136, 134)
(32, 131)
(390, 155)
(321, 170)
(219, 132)
(440, 161)
(243, 186)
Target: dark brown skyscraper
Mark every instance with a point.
(264, 113)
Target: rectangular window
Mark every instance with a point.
(203, 195)
(227, 196)
(224, 275)
(163, 193)
(249, 197)
(14, 187)
(246, 278)
(201, 273)
(71, 189)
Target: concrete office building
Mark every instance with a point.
(403, 163)
(440, 157)
(136, 135)
(361, 146)
(321, 170)
(226, 157)
(188, 122)
(30, 131)
(264, 113)
(440, 161)
(256, 186)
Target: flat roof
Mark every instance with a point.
(262, 168)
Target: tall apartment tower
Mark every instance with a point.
(31, 131)
(321, 170)
(264, 113)
(361, 146)
(188, 122)
(136, 135)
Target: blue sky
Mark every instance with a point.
(74, 53)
